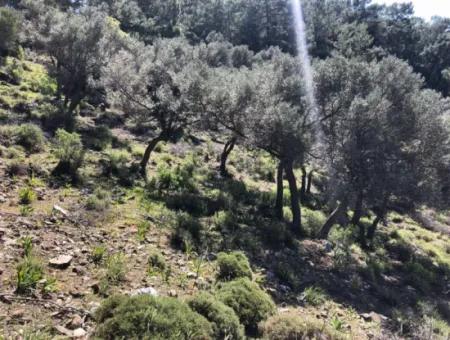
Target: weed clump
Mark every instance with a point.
(26, 195)
(224, 320)
(251, 304)
(232, 266)
(148, 317)
(30, 136)
(100, 200)
(70, 153)
(314, 296)
(291, 325)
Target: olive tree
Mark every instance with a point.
(9, 30)
(280, 120)
(159, 87)
(378, 136)
(80, 44)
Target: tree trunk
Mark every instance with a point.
(362, 236)
(295, 202)
(310, 178)
(373, 227)
(331, 220)
(145, 159)
(279, 199)
(303, 188)
(229, 146)
(358, 209)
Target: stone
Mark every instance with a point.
(79, 333)
(61, 262)
(173, 293)
(145, 291)
(76, 322)
(62, 211)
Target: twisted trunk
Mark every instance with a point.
(304, 183)
(148, 151)
(331, 220)
(310, 179)
(279, 199)
(229, 146)
(295, 202)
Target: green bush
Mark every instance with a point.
(232, 266)
(156, 262)
(251, 304)
(314, 296)
(29, 272)
(100, 138)
(178, 179)
(313, 220)
(224, 320)
(30, 136)
(292, 325)
(148, 317)
(26, 195)
(98, 254)
(69, 151)
(100, 200)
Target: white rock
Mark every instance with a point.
(61, 262)
(145, 291)
(79, 333)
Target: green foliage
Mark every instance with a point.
(156, 262)
(178, 179)
(29, 272)
(292, 325)
(100, 138)
(223, 319)
(9, 30)
(147, 317)
(250, 303)
(98, 254)
(99, 201)
(142, 229)
(314, 296)
(232, 266)
(27, 195)
(27, 245)
(30, 136)
(115, 268)
(69, 151)
(313, 220)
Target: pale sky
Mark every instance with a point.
(424, 8)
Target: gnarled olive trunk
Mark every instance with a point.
(304, 184)
(148, 151)
(279, 198)
(295, 202)
(229, 146)
(331, 220)
(310, 179)
(357, 213)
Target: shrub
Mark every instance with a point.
(251, 304)
(313, 221)
(26, 195)
(232, 266)
(291, 325)
(100, 137)
(100, 200)
(115, 268)
(69, 151)
(16, 168)
(148, 317)
(187, 202)
(275, 233)
(156, 262)
(30, 137)
(98, 254)
(187, 229)
(29, 272)
(314, 296)
(224, 320)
